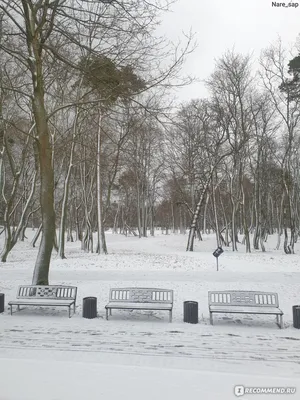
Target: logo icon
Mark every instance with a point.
(239, 390)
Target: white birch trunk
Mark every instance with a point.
(101, 247)
(61, 240)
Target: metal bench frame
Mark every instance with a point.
(232, 301)
(45, 296)
(140, 299)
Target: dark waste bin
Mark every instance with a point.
(190, 312)
(1, 302)
(89, 307)
(296, 316)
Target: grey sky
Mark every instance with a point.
(247, 25)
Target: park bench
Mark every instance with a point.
(245, 302)
(45, 296)
(140, 299)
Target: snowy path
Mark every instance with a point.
(164, 342)
(106, 360)
(77, 381)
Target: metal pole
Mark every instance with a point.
(217, 263)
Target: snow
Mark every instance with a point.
(97, 381)
(140, 355)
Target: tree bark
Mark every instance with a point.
(101, 246)
(61, 246)
(190, 243)
(42, 265)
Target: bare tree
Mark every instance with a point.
(40, 35)
(274, 75)
(231, 86)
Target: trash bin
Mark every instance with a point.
(190, 312)
(1, 302)
(89, 307)
(296, 316)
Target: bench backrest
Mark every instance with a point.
(141, 295)
(243, 298)
(47, 292)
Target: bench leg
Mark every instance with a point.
(170, 316)
(18, 308)
(107, 314)
(69, 312)
(74, 308)
(211, 318)
(11, 310)
(281, 321)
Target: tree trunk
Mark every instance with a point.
(42, 265)
(181, 227)
(12, 236)
(152, 220)
(22, 223)
(233, 229)
(215, 213)
(173, 217)
(36, 236)
(286, 247)
(205, 213)
(226, 239)
(6, 222)
(116, 219)
(29, 216)
(77, 224)
(61, 247)
(64, 210)
(138, 206)
(257, 205)
(145, 219)
(233, 217)
(244, 220)
(190, 243)
(101, 246)
(261, 238)
(279, 221)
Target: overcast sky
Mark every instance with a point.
(219, 25)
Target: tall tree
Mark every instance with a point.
(286, 103)
(40, 35)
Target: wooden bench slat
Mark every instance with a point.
(139, 306)
(246, 310)
(42, 302)
(50, 291)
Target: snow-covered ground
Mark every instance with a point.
(44, 355)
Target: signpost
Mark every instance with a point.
(217, 253)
